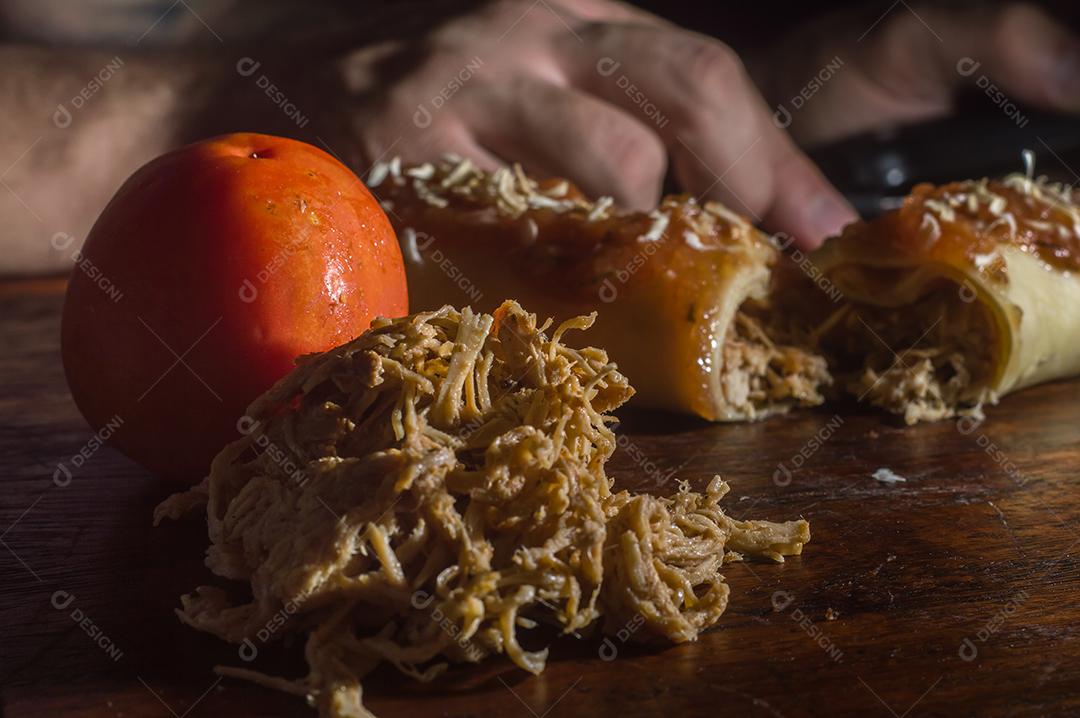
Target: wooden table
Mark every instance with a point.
(953, 593)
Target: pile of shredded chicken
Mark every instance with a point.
(425, 492)
(922, 362)
(762, 377)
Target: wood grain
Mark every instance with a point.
(978, 545)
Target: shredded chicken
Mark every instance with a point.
(761, 377)
(420, 494)
(917, 387)
(923, 362)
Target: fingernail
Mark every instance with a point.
(826, 216)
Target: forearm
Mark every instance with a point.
(75, 125)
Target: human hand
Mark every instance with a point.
(853, 73)
(598, 92)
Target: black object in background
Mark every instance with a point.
(876, 170)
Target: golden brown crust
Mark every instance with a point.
(963, 223)
(666, 284)
(567, 244)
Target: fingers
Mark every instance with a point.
(401, 131)
(930, 51)
(805, 205)
(606, 104)
(608, 11)
(721, 137)
(559, 131)
(450, 136)
(910, 66)
(772, 181)
(1034, 58)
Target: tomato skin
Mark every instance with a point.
(232, 256)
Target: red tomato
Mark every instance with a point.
(211, 269)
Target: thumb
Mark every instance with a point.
(804, 204)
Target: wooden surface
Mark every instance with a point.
(978, 545)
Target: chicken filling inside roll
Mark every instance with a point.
(763, 376)
(925, 361)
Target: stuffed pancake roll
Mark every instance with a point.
(967, 292)
(678, 291)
